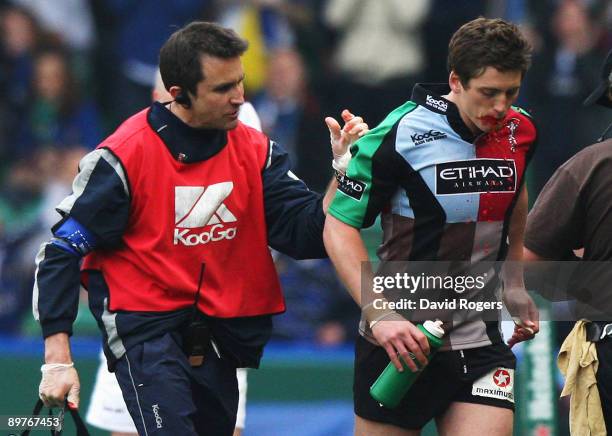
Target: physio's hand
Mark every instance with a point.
(342, 138)
(399, 338)
(59, 380)
(524, 313)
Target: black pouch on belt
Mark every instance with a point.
(196, 341)
(598, 331)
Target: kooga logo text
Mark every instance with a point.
(196, 207)
(441, 105)
(432, 135)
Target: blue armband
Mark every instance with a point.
(71, 236)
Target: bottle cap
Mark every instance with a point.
(434, 327)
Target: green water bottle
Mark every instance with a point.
(392, 385)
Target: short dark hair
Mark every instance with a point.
(486, 42)
(179, 57)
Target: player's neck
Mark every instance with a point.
(452, 97)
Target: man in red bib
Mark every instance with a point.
(173, 215)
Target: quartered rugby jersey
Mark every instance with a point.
(443, 193)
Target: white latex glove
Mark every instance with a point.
(341, 139)
(59, 380)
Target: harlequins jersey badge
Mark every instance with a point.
(512, 125)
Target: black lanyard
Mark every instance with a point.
(78, 421)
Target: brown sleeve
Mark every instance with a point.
(556, 221)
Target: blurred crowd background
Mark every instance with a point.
(72, 70)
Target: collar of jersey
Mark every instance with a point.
(436, 91)
(185, 143)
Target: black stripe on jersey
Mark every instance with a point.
(489, 293)
(492, 329)
(429, 215)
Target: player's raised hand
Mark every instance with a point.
(342, 138)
